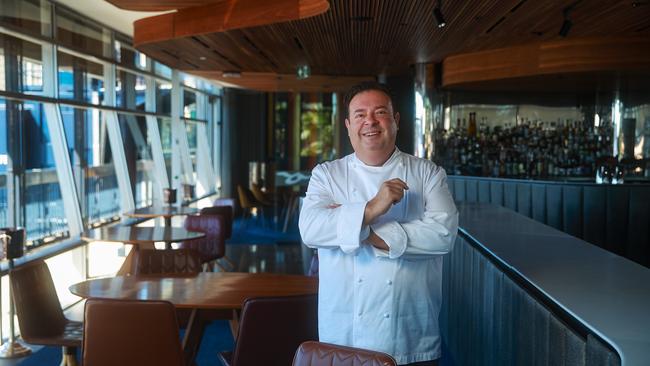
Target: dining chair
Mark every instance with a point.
(40, 317)
(271, 329)
(130, 333)
(247, 202)
(213, 245)
(260, 196)
(168, 262)
(313, 353)
(225, 208)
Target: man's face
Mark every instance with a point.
(372, 125)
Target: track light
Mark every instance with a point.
(567, 23)
(439, 18)
(566, 27)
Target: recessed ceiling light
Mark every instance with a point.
(203, 58)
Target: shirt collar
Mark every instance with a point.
(391, 160)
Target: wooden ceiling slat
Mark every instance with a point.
(396, 34)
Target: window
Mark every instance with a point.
(80, 79)
(138, 157)
(29, 16)
(77, 33)
(26, 58)
(130, 90)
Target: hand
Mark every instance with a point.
(390, 193)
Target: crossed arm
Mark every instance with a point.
(325, 223)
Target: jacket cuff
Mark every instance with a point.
(394, 236)
(348, 230)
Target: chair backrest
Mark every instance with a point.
(227, 213)
(213, 245)
(325, 354)
(131, 332)
(37, 304)
(272, 328)
(259, 195)
(246, 200)
(168, 262)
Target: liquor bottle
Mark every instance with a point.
(471, 128)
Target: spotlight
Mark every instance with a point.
(303, 72)
(566, 27)
(439, 18)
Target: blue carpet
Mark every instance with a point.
(259, 231)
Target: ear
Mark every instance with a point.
(397, 120)
(347, 125)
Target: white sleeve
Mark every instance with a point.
(434, 233)
(325, 227)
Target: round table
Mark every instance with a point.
(166, 212)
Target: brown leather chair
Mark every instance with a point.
(225, 208)
(168, 262)
(130, 333)
(325, 354)
(40, 317)
(213, 245)
(271, 329)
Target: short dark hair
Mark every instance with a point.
(363, 87)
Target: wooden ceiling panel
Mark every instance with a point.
(374, 37)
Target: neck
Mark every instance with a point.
(375, 158)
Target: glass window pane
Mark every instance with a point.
(165, 130)
(43, 212)
(126, 55)
(92, 162)
(192, 131)
(137, 148)
(316, 129)
(29, 16)
(80, 79)
(163, 97)
(130, 90)
(162, 70)
(189, 104)
(75, 32)
(4, 160)
(27, 60)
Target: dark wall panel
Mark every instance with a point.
(594, 214)
(617, 215)
(538, 202)
(471, 189)
(523, 199)
(484, 191)
(572, 210)
(510, 195)
(496, 193)
(638, 229)
(554, 216)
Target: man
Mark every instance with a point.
(381, 220)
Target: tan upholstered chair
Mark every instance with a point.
(40, 317)
(131, 333)
(325, 354)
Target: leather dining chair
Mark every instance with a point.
(324, 354)
(271, 329)
(213, 245)
(225, 208)
(40, 317)
(168, 262)
(130, 333)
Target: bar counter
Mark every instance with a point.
(516, 291)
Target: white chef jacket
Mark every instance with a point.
(370, 298)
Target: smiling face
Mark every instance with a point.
(372, 126)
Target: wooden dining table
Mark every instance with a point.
(204, 293)
(141, 237)
(166, 212)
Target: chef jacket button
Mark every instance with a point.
(354, 189)
(360, 313)
(386, 315)
(360, 280)
(389, 282)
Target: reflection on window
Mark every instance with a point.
(91, 159)
(75, 32)
(139, 160)
(126, 55)
(165, 130)
(80, 79)
(281, 122)
(130, 90)
(26, 62)
(316, 130)
(4, 161)
(41, 208)
(30, 16)
(189, 104)
(163, 97)
(162, 70)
